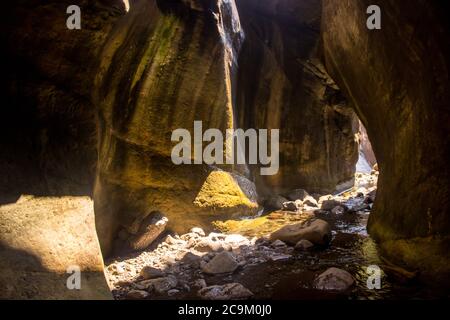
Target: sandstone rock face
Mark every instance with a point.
(48, 122)
(48, 148)
(166, 65)
(40, 240)
(397, 78)
(282, 84)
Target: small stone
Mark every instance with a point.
(280, 257)
(151, 273)
(334, 279)
(223, 262)
(199, 284)
(278, 244)
(198, 231)
(208, 245)
(291, 206)
(231, 291)
(160, 285)
(304, 245)
(173, 292)
(137, 294)
(339, 210)
(311, 202)
(191, 259)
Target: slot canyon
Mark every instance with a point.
(88, 183)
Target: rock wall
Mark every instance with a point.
(166, 65)
(48, 123)
(283, 85)
(49, 149)
(398, 80)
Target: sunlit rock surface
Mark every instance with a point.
(43, 238)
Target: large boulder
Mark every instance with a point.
(397, 79)
(316, 231)
(43, 242)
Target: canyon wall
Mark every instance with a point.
(48, 150)
(166, 65)
(283, 85)
(398, 81)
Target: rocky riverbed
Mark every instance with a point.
(315, 247)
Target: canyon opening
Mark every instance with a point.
(225, 150)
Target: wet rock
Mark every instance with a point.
(198, 231)
(316, 231)
(298, 194)
(293, 206)
(231, 291)
(275, 202)
(334, 279)
(151, 273)
(329, 205)
(137, 294)
(223, 262)
(304, 245)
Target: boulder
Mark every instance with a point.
(223, 262)
(334, 279)
(44, 241)
(231, 291)
(316, 231)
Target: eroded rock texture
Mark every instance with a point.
(283, 85)
(398, 81)
(48, 148)
(165, 66)
(48, 123)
